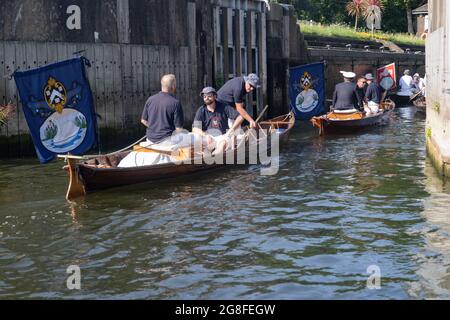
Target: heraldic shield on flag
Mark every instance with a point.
(387, 77)
(58, 106)
(307, 90)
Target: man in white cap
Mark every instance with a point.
(234, 91)
(345, 96)
(418, 83)
(374, 95)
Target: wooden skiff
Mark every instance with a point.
(88, 174)
(336, 122)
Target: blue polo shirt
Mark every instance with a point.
(164, 114)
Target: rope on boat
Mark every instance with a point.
(115, 152)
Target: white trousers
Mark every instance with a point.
(372, 107)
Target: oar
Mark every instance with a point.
(256, 121)
(262, 113)
(414, 96)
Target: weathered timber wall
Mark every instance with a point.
(121, 76)
(131, 44)
(285, 47)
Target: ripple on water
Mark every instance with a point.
(337, 206)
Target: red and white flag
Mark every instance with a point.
(387, 77)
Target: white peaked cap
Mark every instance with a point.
(349, 75)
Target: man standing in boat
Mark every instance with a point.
(406, 82)
(234, 91)
(345, 96)
(211, 120)
(163, 114)
(418, 83)
(374, 95)
(361, 87)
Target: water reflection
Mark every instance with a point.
(434, 260)
(338, 205)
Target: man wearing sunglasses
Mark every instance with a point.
(361, 87)
(211, 120)
(234, 91)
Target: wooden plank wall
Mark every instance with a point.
(122, 77)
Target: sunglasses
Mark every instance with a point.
(208, 95)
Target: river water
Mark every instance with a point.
(339, 207)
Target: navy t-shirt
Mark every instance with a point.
(374, 93)
(232, 92)
(164, 114)
(205, 119)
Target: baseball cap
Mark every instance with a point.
(253, 80)
(207, 90)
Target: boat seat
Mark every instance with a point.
(345, 116)
(104, 161)
(345, 111)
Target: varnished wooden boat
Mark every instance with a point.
(404, 100)
(400, 100)
(90, 174)
(421, 104)
(336, 122)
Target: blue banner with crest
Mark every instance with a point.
(58, 106)
(307, 90)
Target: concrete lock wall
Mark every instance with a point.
(362, 62)
(438, 89)
(130, 47)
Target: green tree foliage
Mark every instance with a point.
(356, 8)
(334, 11)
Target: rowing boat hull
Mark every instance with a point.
(101, 178)
(421, 105)
(327, 125)
(401, 101)
(86, 178)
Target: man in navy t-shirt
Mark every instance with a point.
(211, 119)
(163, 113)
(374, 95)
(234, 91)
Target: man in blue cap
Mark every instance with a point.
(234, 91)
(211, 120)
(374, 95)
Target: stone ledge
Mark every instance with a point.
(367, 54)
(441, 162)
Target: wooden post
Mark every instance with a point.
(123, 21)
(194, 79)
(249, 107)
(226, 57)
(237, 44)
